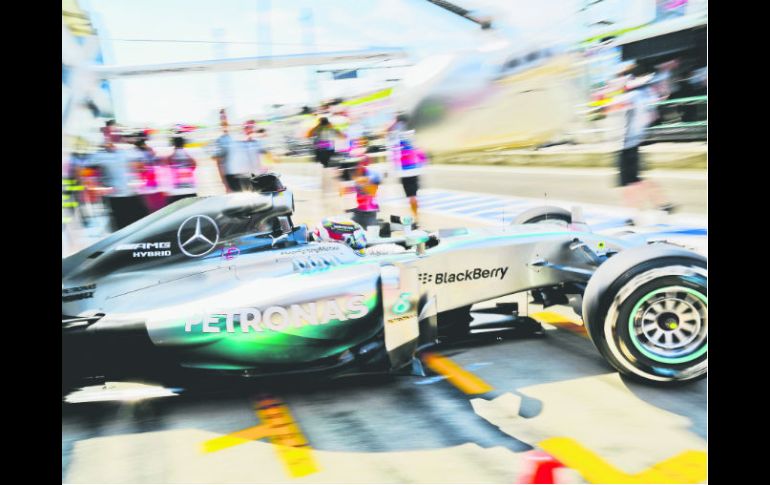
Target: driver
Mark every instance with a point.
(341, 229)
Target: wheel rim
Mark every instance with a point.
(670, 325)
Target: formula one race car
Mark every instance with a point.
(228, 284)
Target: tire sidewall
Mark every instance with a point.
(609, 321)
(549, 218)
(544, 214)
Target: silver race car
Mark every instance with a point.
(228, 284)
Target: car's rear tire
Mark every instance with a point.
(646, 311)
(544, 214)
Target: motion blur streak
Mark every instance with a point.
(561, 321)
(237, 438)
(118, 391)
(459, 377)
(289, 442)
(686, 467)
(279, 426)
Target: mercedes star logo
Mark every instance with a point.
(198, 234)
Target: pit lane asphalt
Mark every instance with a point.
(378, 414)
(685, 188)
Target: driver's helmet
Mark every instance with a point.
(342, 229)
(268, 182)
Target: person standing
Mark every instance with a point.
(182, 166)
(367, 182)
(324, 136)
(237, 159)
(255, 148)
(408, 160)
(220, 152)
(123, 201)
(410, 165)
(642, 93)
(147, 163)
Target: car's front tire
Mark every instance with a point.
(646, 310)
(546, 213)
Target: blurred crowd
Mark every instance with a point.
(342, 148)
(125, 178)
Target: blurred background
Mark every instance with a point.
(483, 83)
(512, 104)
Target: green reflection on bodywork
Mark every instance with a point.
(287, 346)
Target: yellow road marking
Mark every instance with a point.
(279, 427)
(561, 321)
(686, 467)
(291, 445)
(237, 438)
(464, 380)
